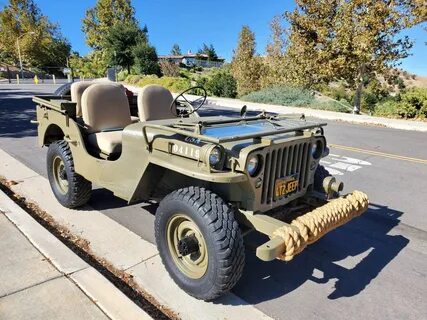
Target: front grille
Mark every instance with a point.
(284, 162)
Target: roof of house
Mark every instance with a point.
(188, 55)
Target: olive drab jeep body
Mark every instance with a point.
(216, 178)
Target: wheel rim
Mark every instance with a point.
(60, 175)
(193, 265)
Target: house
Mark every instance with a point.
(194, 59)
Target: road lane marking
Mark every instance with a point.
(380, 154)
(337, 165)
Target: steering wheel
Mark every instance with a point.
(193, 105)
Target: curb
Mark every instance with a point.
(103, 293)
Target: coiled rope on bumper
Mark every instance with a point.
(313, 225)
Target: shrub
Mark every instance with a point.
(338, 92)
(410, 104)
(201, 82)
(174, 84)
(387, 108)
(122, 75)
(414, 102)
(337, 106)
(169, 69)
(281, 95)
(133, 79)
(369, 100)
(221, 84)
(400, 83)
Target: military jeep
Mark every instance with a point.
(216, 178)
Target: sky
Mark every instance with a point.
(191, 23)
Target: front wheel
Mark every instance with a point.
(69, 188)
(199, 242)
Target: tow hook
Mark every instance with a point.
(331, 185)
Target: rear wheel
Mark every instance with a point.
(199, 242)
(69, 188)
(64, 90)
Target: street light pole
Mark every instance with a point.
(19, 52)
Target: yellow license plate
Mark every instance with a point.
(285, 186)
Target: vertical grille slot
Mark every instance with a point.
(296, 159)
(285, 161)
(279, 164)
(290, 160)
(266, 178)
(303, 158)
(272, 179)
(304, 169)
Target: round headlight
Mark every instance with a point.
(253, 165)
(317, 149)
(215, 156)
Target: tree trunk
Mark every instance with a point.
(9, 77)
(359, 90)
(128, 69)
(358, 98)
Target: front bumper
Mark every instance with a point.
(287, 240)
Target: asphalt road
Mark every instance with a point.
(373, 267)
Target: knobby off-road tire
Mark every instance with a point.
(69, 188)
(219, 238)
(64, 90)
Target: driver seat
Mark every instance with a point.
(154, 103)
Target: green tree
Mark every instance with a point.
(92, 65)
(146, 60)
(348, 40)
(40, 41)
(106, 14)
(245, 66)
(275, 63)
(119, 43)
(222, 84)
(176, 50)
(209, 50)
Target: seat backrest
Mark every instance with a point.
(105, 106)
(77, 89)
(154, 103)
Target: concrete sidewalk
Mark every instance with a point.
(40, 278)
(31, 287)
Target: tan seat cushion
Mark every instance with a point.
(77, 89)
(105, 106)
(154, 103)
(106, 142)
